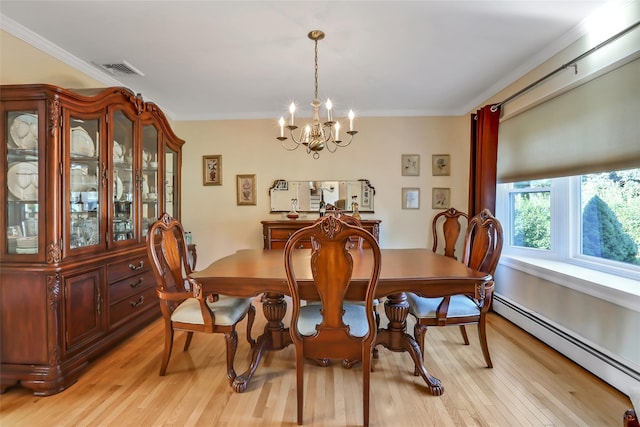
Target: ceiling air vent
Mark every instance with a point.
(120, 68)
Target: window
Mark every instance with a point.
(590, 220)
(530, 207)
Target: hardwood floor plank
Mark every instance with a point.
(530, 385)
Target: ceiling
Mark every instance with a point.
(206, 60)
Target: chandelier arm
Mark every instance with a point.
(346, 144)
(290, 148)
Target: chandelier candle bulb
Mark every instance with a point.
(281, 127)
(329, 105)
(351, 115)
(292, 109)
(337, 131)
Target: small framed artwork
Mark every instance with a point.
(212, 170)
(441, 165)
(411, 165)
(410, 198)
(441, 198)
(246, 189)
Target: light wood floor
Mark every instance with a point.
(530, 385)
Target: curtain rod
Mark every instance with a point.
(572, 63)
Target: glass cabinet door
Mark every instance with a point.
(149, 178)
(123, 179)
(83, 188)
(22, 180)
(170, 170)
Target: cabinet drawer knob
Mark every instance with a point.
(138, 283)
(137, 267)
(137, 303)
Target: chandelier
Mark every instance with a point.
(317, 135)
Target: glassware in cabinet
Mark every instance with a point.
(149, 177)
(122, 177)
(170, 184)
(83, 188)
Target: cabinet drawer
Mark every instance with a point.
(122, 269)
(279, 244)
(130, 286)
(282, 233)
(133, 305)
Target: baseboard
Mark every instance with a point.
(607, 366)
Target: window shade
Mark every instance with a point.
(592, 128)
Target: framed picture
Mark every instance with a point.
(246, 189)
(410, 198)
(441, 165)
(212, 170)
(411, 164)
(441, 198)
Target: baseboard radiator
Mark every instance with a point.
(607, 366)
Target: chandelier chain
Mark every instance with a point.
(316, 71)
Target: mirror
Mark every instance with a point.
(308, 194)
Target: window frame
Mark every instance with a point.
(566, 213)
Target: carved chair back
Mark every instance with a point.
(446, 230)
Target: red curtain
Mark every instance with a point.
(484, 158)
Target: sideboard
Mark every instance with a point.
(276, 233)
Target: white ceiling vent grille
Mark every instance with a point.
(120, 68)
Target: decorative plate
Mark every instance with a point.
(81, 142)
(22, 180)
(24, 131)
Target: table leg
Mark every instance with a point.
(395, 338)
(274, 337)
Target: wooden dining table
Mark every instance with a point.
(253, 272)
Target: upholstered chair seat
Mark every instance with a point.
(354, 317)
(227, 311)
(459, 306)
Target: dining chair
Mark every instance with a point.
(446, 228)
(184, 306)
(482, 249)
(333, 328)
(351, 245)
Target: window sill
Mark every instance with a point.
(618, 290)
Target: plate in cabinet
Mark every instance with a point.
(81, 142)
(22, 180)
(24, 131)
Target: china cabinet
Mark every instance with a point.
(86, 173)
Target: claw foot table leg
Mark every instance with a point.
(395, 338)
(274, 337)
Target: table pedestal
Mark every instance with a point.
(394, 338)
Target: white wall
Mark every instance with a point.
(220, 227)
